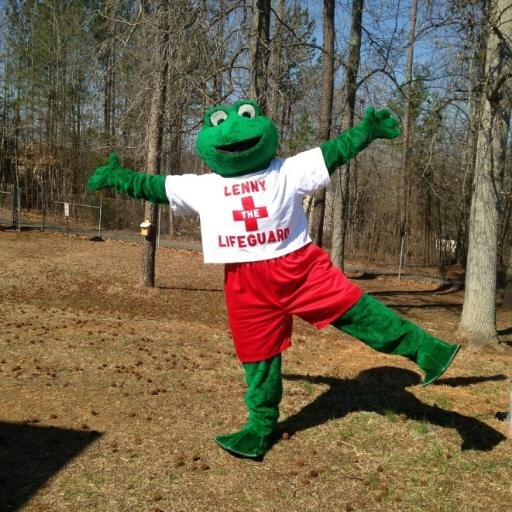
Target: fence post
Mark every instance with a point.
(43, 196)
(13, 214)
(16, 208)
(100, 215)
(158, 226)
(508, 428)
(401, 260)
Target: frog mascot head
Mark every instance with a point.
(252, 219)
(237, 139)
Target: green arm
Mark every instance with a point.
(374, 125)
(128, 182)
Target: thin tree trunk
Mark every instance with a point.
(155, 132)
(476, 72)
(276, 61)
(259, 51)
(324, 128)
(342, 180)
(107, 95)
(408, 124)
(220, 50)
(478, 319)
(507, 295)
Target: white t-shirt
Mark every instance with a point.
(255, 217)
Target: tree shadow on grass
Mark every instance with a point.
(190, 289)
(472, 379)
(428, 305)
(382, 390)
(30, 455)
(443, 289)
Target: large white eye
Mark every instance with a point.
(219, 116)
(247, 110)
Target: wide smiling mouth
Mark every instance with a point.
(240, 146)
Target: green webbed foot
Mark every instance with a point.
(443, 362)
(264, 391)
(247, 443)
(383, 330)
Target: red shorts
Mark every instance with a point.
(262, 296)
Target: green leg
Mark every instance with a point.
(385, 331)
(264, 392)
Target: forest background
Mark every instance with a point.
(82, 78)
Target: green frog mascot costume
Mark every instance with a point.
(253, 222)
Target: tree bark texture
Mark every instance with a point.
(276, 62)
(476, 73)
(259, 51)
(325, 121)
(478, 319)
(507, 295)
(408, 124)
(154, 139)
(341, 180)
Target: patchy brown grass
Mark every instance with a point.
(110, 396)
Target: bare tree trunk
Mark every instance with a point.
(507, 295)
(478, 319)
(155, 131)
(408, 124)
(324, 128)
(175, 122)
(476, 73)
(108, 94)
(259, 51)
(276, 61)
(219, 55)
(342, 180)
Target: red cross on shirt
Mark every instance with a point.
(250, 213)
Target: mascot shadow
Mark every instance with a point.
(30, 455)
(382, 390)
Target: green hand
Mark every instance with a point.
(126, 181)
(106, 175)
(381, 124)
(376, 124)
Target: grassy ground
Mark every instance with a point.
(110, 396)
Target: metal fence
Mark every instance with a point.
(70, 209)
(10, 205)
(90, 214)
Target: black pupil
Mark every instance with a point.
(246, 114)
(221, 120)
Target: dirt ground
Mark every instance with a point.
(110, 396)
